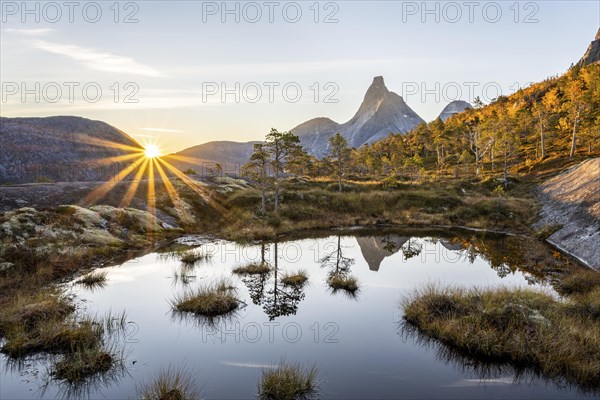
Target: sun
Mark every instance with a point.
(152, 151)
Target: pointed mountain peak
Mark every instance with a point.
(377, 88)
(378, 80)
(376, 94)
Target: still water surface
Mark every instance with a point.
(356, 342)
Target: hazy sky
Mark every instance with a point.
(203, 71)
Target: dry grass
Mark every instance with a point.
(170, 384)
(253, 269)
(193, 257)
(209, 301)
(581, 282)
(297, 279)
(288, 382)
(54, 336)
(311, 204)
(94, 279)
(28, 312)
(80, 365)
(346, 283)
(41, 323)
(522, 327)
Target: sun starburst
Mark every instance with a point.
(152, 151)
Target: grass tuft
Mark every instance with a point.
(288, 382)
(297, 279)
(581, 282)
(253, 269)
(169, 384)
(95, 279)
(210, 301)
(346, 283)
(192, 257)
(53, 337)
(80, 365)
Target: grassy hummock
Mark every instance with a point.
(288, 381)
(253, 269)
(345, 283)
(81, 364)
(580, 283)
(522, 327)
(209, 301)
(297, 279)
(170, 384)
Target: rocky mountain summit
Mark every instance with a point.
(381, 112)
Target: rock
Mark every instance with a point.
(89, 218)
(130, 218)
(6, 266)
(571, 201)
(454, 107)
(592, 54)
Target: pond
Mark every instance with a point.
(355, 340)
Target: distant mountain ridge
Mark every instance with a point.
(202, 158)
(62, 148)
(381, 112)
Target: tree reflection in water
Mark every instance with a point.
(339, 266)
(267, 291)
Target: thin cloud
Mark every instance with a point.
(31, 32)
(161, 130)
(97, 60)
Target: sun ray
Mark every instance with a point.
(103, 189)
(126, 201)
(196, 188)
(187, 159)
(151, 191)
(115, 159)
(177, 202)
(107, 143)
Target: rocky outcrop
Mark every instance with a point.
(62, 149)
(571, 207)
(592, 54)
(454, 107)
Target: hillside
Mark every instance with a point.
(62, 148)
(201, 158)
